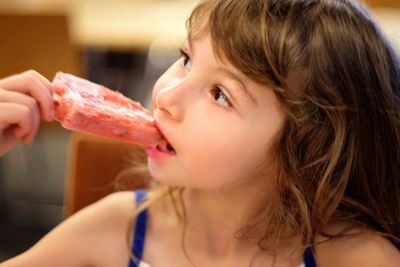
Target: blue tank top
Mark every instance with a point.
(140, 234)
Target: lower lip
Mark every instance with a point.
(157, 154)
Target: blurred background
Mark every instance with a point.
(123, 44)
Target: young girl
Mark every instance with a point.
(283, 123)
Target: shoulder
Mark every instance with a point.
(110, 210)
(94, 236)
(358, 249)
(120, 204)
(106, 219)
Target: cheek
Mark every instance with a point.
(216, 158)
(223, 165)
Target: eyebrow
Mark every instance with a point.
(227, 72)
(242, 86)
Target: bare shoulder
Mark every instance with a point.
(120, 203)
(94, 236)
(108, 213)
(358, 249)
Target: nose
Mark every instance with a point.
(169, 100)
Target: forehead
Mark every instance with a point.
(205, 41)
(203, 46)
(239, 31)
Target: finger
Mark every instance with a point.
(30, 136)
(22, 99)
(30, 84)
(45, 82)
(18, 98)
(19, 116)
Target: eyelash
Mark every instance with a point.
(216, 90)
(185, 57)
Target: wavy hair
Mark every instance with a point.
(338, 79)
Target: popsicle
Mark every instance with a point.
(87, 107)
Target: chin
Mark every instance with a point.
(165, 180)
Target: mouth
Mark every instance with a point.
(165, 147)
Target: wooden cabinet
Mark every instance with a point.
(39, 42)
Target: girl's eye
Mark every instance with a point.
(221, 98)
(187, 63)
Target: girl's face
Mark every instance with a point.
(219, 123)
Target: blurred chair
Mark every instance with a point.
(93, 166)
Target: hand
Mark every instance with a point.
(24, 99)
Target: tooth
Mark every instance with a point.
(170, 148)
(164, 146)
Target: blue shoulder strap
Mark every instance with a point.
(140, 230)
(309, 260)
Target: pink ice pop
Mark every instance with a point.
(91, 108)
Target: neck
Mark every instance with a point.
(212, 221)
(215, 216)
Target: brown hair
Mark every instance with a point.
(338, 80)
